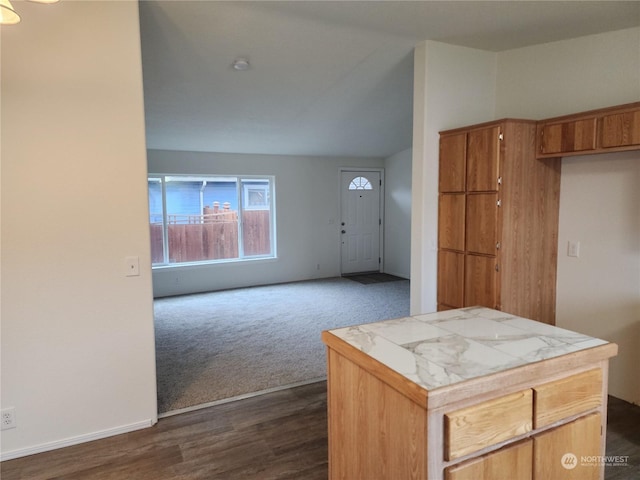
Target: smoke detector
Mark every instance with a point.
(240, 64)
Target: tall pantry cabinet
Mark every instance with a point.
(497, 220)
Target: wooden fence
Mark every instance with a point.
(212, 236)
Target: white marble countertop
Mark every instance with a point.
(440, 349)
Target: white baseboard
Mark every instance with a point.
(67, 442)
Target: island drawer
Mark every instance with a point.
(566, 397)
(473, 428)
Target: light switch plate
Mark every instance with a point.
(573, 249)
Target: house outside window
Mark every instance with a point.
(196, 219)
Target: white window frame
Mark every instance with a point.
(242, 192)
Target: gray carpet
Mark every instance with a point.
(219, 345)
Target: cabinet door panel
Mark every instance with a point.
(621, 129)
(513, 462)
(480, 281)
(483, 159)
(451, 221)
(450, 279)
(453, 151)
(558, 453)
(482, 223)
(571, 136)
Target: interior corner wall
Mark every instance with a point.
(397, 214)
(307, 193)
(453, 87)
(598, 293)
(78, 354)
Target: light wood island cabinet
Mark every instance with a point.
(465, 394)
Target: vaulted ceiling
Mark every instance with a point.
(326, 77)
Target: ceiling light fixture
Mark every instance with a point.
(239, 64)
(9, 16)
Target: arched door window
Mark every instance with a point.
(360, 183)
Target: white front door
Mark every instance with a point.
(361, 222)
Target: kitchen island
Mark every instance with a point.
(472, 393)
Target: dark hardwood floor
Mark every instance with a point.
(623, 439)
(281, 435)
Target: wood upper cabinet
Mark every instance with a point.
(502, 219)
(569, 136)
(596, 131)
(453, 164)
(621, 129)
(483, 159)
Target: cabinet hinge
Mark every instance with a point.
(497, 268)
(501, 136)
(499, 203)
(379, 221)
(498, 246)
(499, 180)
(379, 260)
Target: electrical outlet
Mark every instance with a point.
(8, 418)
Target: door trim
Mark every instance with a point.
(379, 170)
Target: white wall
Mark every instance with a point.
(307, 218)
(397, 214)
(78, 356)
(570, 76)
(599, 292)
(453, 87)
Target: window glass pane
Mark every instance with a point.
(155, 220)
(256, 216)
(201, 223)
(360, 183)
(201, 220)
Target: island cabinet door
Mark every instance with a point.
(513, 463)
(569, 452)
